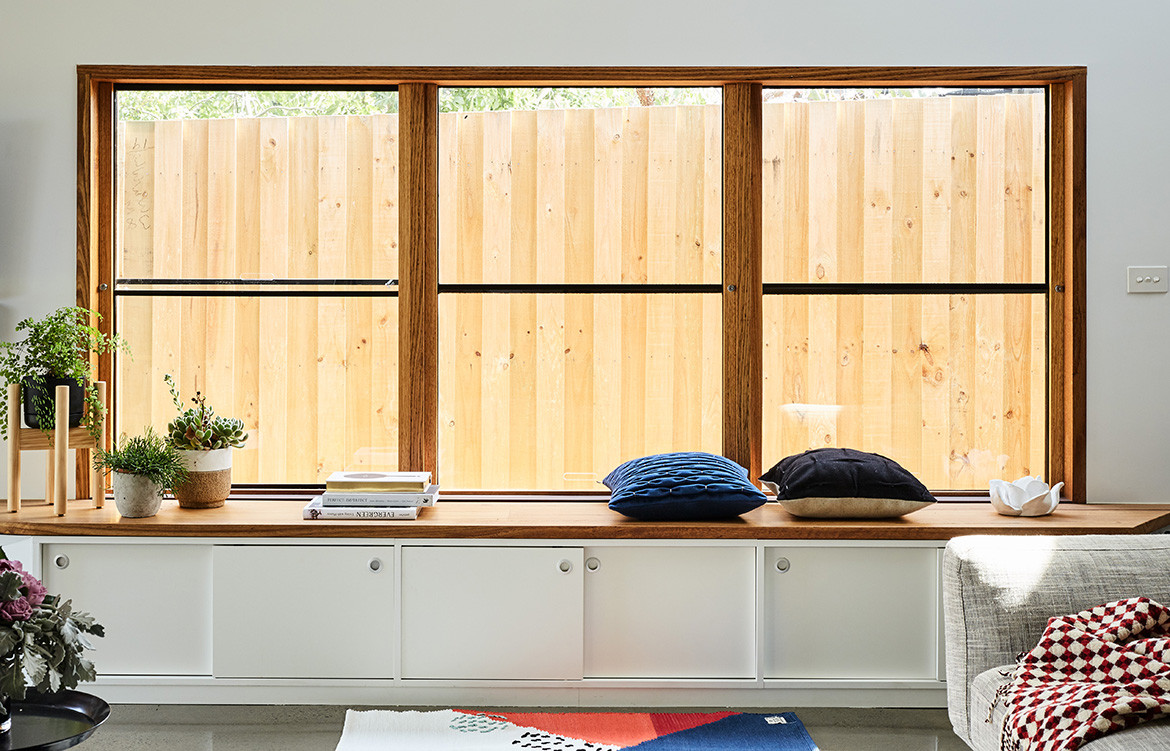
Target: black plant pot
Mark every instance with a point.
(30, 386)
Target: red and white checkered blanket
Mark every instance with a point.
(1102, 669)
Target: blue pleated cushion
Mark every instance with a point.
(683, 486)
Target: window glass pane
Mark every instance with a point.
(904, 185)
(553, 391)
(950, 386)
(597, 185)
(256, 185)
(314, 380)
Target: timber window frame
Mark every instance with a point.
(742, 283)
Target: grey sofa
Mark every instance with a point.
(998, 593)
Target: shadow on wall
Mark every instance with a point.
(19, 152)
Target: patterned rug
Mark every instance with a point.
(467, 730)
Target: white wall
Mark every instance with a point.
(1124, 47)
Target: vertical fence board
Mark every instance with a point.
(850, 239)
(1017, 229)
(136, 388)
(246, 463)
(359, 228)
(522, 308)
(907, 343)
(823, 248)
(301, 372)
(468, 363)
(794, 321)
(272, 425)
(661, 184)
(168, 218)
(964, 150)
(606, 309)
(497, 264)
(220, 321)
(384, 149)
(550, 197)
(193, 257)
(383, 397)
(579, 217)
(332, 396)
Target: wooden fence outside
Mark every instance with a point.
(551, 391)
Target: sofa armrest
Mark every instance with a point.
(1000, 591)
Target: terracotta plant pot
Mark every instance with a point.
(209, 478)
(135, 495)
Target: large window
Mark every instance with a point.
(518, 281)
(256, 260)
(579, 264)
(904, 266)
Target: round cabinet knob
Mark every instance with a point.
(565, 565)
(592, 564)
(61, 561)
(375, 565)
(782, 565)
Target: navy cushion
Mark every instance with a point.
(683, 486)
(843, 473)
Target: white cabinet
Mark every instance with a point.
(153, 600)
(304, 611)
(851, 612)
(491, 612)
(670, 612)
(276, 620)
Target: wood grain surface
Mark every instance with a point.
(574, 520)
(569, 75)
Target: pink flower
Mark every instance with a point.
(32, 594)
(17, 610)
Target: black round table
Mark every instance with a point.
(58, 721)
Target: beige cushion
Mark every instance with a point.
(850, 508)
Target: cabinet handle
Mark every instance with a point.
(375, 565)
(61, 561)
(782, 565)
(565, 565)
(592, 564)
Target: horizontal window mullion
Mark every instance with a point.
(368, 293)
(562, 288)
(910, 288)
(256, 282)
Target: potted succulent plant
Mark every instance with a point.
(205, 442)
(55, 351)
(141, 468)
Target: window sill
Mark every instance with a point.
(498, 519)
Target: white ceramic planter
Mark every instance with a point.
(1027, 496)
(136, 496)
(209, 478)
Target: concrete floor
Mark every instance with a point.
(300, 728)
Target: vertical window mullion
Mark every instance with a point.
(1066, 422)
(418, 278)
(95, 235)
(743, 274)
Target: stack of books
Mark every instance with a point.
(373, 495)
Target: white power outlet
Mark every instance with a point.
(1146, 279)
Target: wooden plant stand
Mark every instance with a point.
(63, 439)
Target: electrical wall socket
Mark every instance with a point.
(1146, 279)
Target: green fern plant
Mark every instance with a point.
(147, 455)
(56, 346)
(198, 428)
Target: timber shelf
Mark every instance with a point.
(488, 519)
